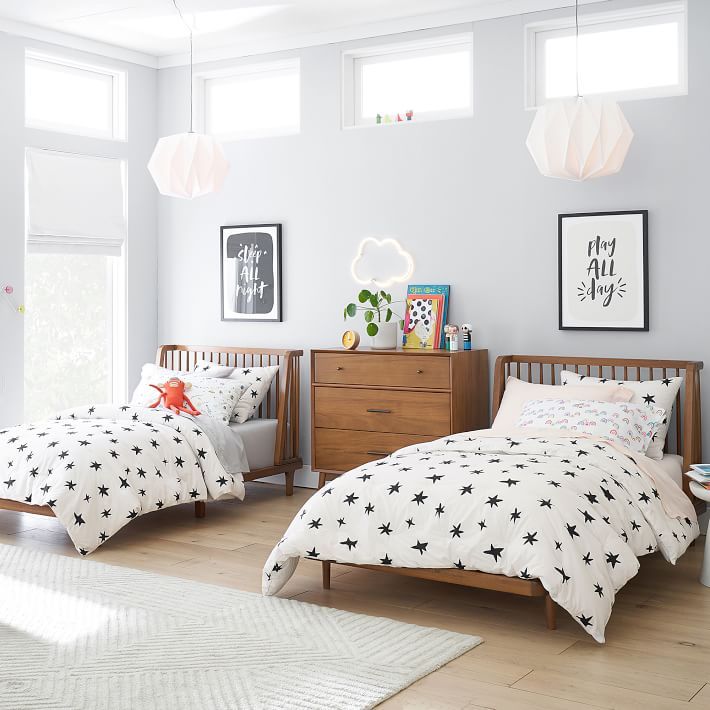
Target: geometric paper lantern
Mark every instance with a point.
(188, 165)
(579, 138)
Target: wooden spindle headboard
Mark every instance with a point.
(282, 401)
(684, 433)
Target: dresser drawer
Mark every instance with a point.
(395, 411)
(342, 450)
(416, 371)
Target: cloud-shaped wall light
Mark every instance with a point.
(382, 262)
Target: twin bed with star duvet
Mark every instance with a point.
(560, 498)
(97, 467)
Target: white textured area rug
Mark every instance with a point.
(77, 634)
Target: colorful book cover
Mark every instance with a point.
(425, 317)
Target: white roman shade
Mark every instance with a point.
(76, 203)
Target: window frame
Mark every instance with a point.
(118, 94)
(200, 95)
(354, 59)
(536, 33)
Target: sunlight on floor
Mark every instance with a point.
(50, 615)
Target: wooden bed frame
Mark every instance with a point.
(282, 402)
(684, 438)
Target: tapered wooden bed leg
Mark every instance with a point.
(550, 613)
(200, 509)
(290, 475)
(326, 575)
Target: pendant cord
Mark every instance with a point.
(189, 29)
(576, 43)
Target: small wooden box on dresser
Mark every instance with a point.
(365, 403)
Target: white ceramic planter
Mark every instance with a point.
(386, 338)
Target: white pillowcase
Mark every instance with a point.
(653, 393)
(205, 368)
(256, 382)
(629, 425)
(212, 396)
(518, 392)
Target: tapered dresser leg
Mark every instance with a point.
(200, 509)
(326, 575)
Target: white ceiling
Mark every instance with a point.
(153, 28)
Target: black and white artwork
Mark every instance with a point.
(251, 272)
(603, 271)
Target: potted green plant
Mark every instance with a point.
(377, 310)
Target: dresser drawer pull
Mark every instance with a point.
(377, 453)
(339, 368)
(420, 372)
(380, 411)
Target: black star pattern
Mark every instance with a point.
(419, 498)
(421, 546)
(530, 538)
(385, 529)
(565, 577)
(494, 552)
(350, 543)
(611, 559)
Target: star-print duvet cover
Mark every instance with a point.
(100, 467)
(574, 513)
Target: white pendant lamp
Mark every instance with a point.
(188, 165)
(579, 138)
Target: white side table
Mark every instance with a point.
(703, 494)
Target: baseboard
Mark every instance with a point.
(305, 478)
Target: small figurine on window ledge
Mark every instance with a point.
(378, 119)
(409, 114)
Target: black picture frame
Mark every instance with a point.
(273, 275)
(563, 325)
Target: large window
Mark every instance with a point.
(71, 331)
(635, 53)
(74, 325)
(251, 101)
(70, 97)
(433, 79)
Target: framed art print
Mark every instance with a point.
(603, 271)
(251, 272)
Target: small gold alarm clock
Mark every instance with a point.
(350, 339)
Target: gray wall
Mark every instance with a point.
(462, 195)
(141, 246)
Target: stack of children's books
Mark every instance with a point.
(700, 472)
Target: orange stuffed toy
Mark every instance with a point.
(173, 397)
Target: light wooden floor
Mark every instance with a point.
(657, 654)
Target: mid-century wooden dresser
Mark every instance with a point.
(365, 403)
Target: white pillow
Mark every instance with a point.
(629, 425)
(653, 393)
(212, 396)
(205, 368)
(256, 381)
(518, 392)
